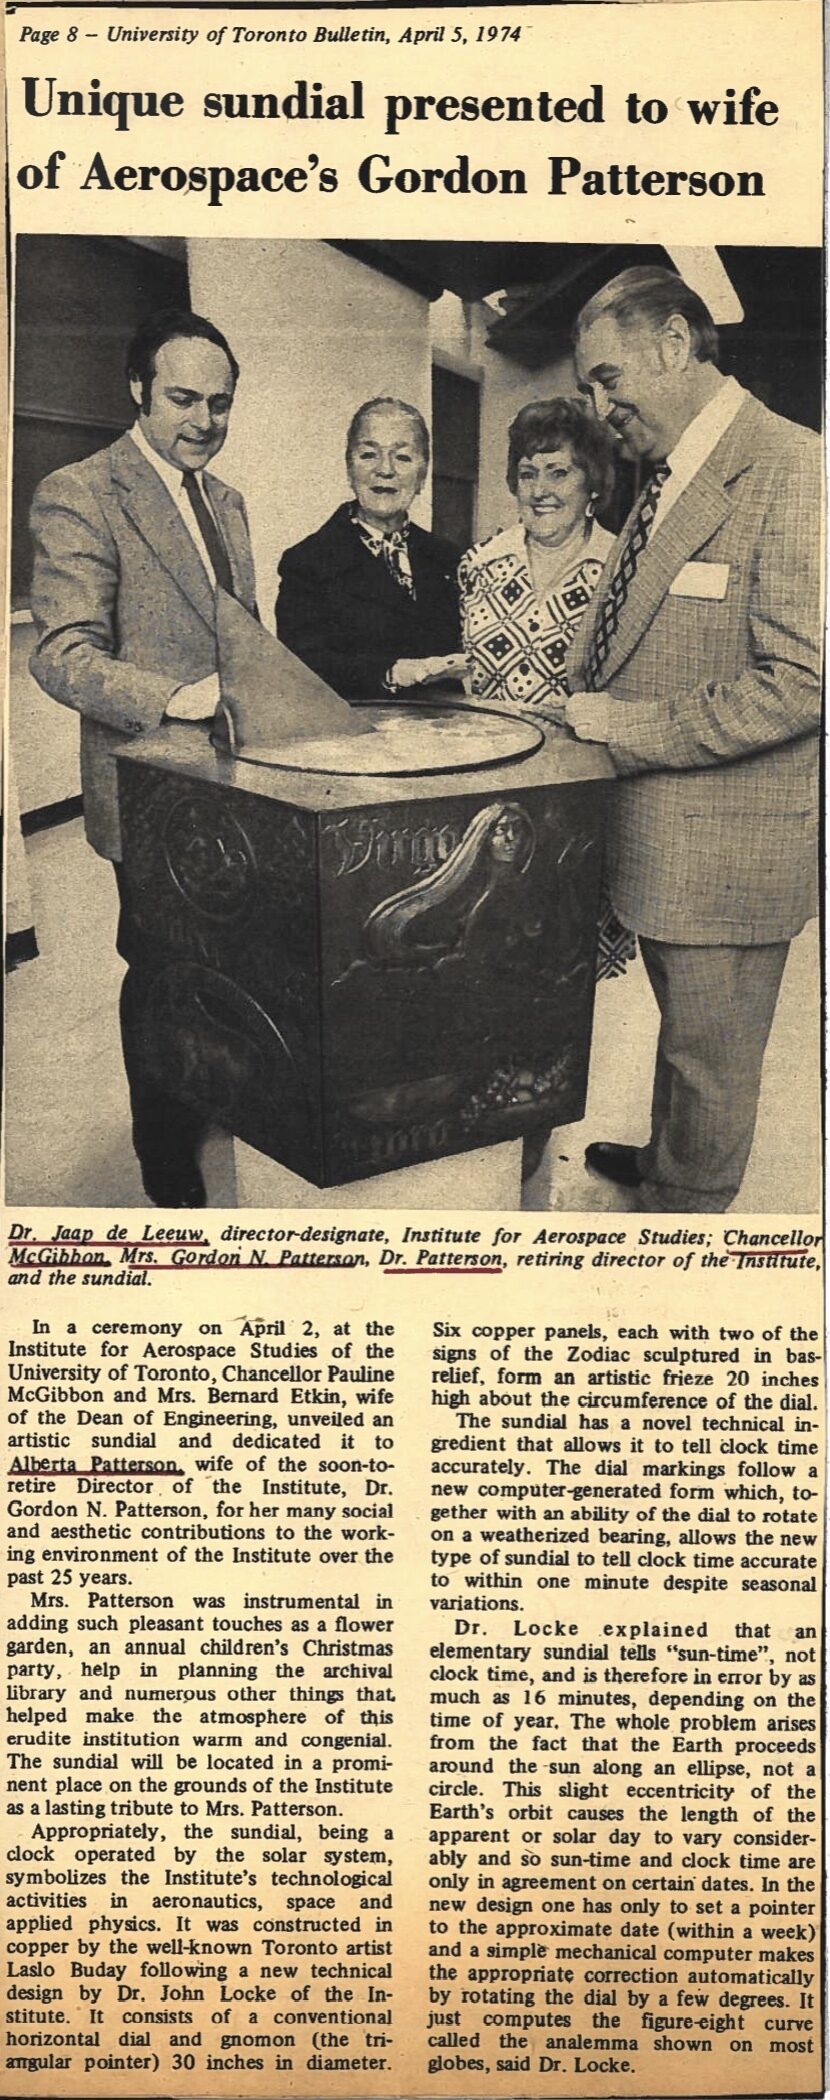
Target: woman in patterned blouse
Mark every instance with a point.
(525, 590)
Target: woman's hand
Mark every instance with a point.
(445, 666)
(425, 670)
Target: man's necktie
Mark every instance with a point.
(217, 552)
(608, 618)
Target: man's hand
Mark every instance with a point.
(194, 703)
(589, 716)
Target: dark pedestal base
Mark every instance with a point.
(355, 985)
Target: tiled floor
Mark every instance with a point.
(67, 1136)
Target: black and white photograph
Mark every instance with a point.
(413, 1074)
(414, 697)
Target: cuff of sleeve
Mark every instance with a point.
(635, 740)
(623, 761)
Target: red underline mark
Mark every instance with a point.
(139, 1268)
(763, 1253)
(444, 1272)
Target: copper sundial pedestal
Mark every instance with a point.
(361, 968)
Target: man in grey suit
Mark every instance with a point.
(130, 546)
(699, 666)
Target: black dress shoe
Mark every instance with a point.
(616, 1163)
(171, 1190)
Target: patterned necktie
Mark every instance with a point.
(217, 552)
(608, 618)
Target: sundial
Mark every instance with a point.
(368, 932)
(279, 713)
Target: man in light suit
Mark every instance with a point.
(130, 546)
(699, 666)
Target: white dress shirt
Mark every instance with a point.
(695, 445)
(173, 480)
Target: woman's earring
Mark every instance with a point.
(590, 507)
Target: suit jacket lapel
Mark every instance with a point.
(228, 515)
(696, 515)
(154, 514)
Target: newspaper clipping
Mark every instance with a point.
(413, 1664)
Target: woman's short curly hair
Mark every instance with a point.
(546, 426)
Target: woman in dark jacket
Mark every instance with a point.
(370, 601)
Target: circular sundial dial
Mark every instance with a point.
(409, 740)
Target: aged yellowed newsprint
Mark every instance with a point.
(414, 1572)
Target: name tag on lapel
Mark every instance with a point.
(701, 579)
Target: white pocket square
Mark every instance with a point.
(700, 579)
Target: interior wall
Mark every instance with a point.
(44, 736)
(459, 334)
(316, 333)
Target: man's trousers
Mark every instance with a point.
(716, 1008)
(166, 1134)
